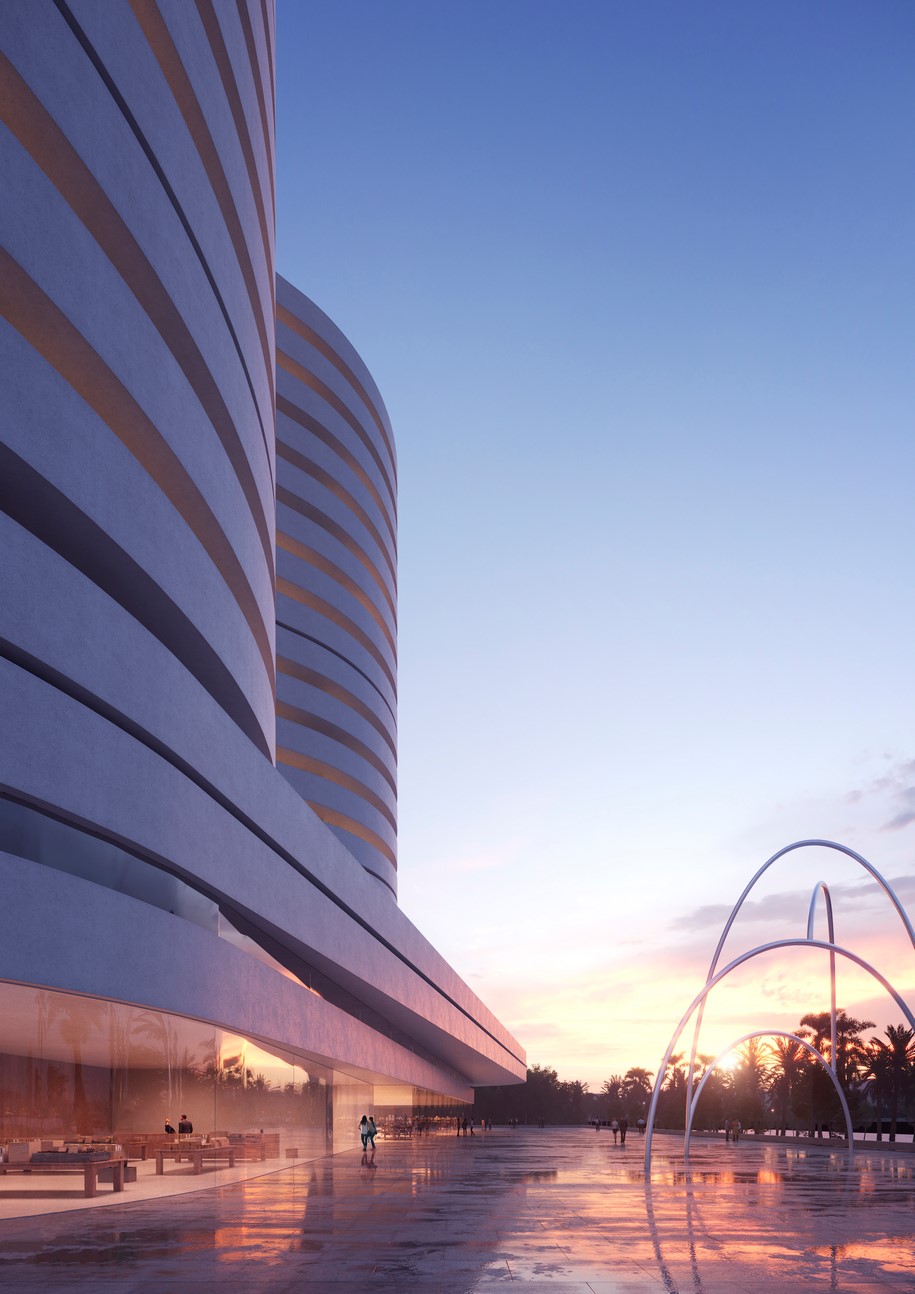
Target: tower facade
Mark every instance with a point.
(197, 620)
(336, 584)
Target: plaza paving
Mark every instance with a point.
(554, 1209)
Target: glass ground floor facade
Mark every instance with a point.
(75, 1066)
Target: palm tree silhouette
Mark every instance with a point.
(789, 1065)
(892, 1064)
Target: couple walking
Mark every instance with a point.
(367, 1131)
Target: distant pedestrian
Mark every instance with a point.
(727, 1129)
(614, 1128)
(364, 1131)
(597, 1125)
(624, 1128)
(371, 1131)
(464, 1125)
(738, 1129)
(641, 1127)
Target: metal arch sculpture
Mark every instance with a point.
(769, 1033)
(714, 977)
(723, 974)
(798, 844)
(831, 931)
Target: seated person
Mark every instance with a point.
(185, 1125)
(168, 1125)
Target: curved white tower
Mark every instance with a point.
(336, 585)
(197, 616)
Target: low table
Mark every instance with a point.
(196, 1155)
(89, 1169)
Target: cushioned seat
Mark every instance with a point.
(68, 1156)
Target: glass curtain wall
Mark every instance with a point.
(74, 1066)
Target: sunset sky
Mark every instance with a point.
(636, 282)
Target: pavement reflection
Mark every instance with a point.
(554, 1209)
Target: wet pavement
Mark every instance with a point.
(562, 1210)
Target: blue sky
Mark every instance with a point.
(636, 283)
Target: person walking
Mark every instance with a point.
(364, 1131)
(371, 1131)
(614, 1128)
(624, 1128)
(464, 1125)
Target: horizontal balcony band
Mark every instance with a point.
(347, 661)
(320, 563)
(314, 723)
(144, 144)
(328, 773)
(331, 818)
(321, 683)
(48, 330)
(287, 408)
(160, 41)
(317, 473)
(324, 348)
(50, 149)
(337, 532)
(314, 383)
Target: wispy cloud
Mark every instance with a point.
(772, 907)
(897, 785)
(902, 819)
(712, 914)
(788, 905)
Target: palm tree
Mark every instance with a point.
(75, 1020)
(636, 1093)
(878, 1072)
(675, 1078)
(160, 1029)
(849, 1061)
(751, 1078)
(672, 1099)
(612, 1089)
(753, 1061)
(897, 1061)
(850, 1052)
(790, 1062)
(716, 1095)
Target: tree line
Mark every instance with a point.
(773, 1084)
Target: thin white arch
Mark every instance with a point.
(769, 1033)
(807, 844)
(831, 931)
(699, 1000)
(798, 844)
